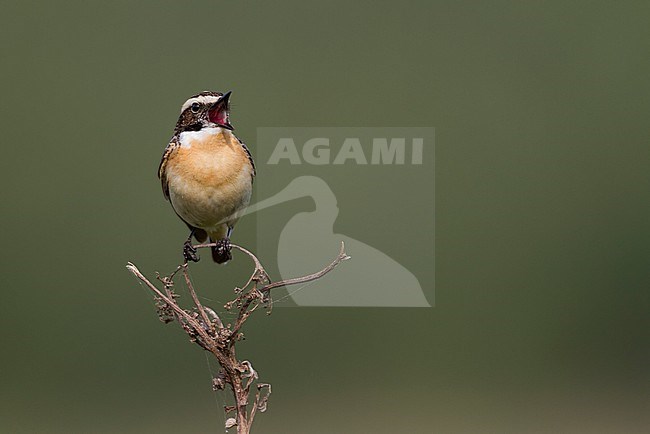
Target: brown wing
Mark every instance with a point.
(162, 169)
(248, 154)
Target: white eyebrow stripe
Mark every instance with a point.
(206, 99)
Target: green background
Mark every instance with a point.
(542, 238)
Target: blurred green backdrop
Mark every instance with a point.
(542, 237)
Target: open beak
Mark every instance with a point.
(219, 112)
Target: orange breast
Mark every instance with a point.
(209, 159)
(209, 176)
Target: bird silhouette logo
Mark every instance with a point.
(372, 279)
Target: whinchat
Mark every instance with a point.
(207, 173)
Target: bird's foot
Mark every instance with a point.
(189, 252)
(223, 250)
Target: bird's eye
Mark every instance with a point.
(195, 107)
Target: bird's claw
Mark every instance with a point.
(189, 252)
(224, 249)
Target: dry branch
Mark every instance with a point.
(205, 328)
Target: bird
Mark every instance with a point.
(207, 173)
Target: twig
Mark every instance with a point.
(221, 341)
(340, 258)
(170, 302)
(195, 298)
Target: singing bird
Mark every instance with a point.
(207, 173)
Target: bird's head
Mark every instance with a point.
(207, 109)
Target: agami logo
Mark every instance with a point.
(318, 151)
(372, 188)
